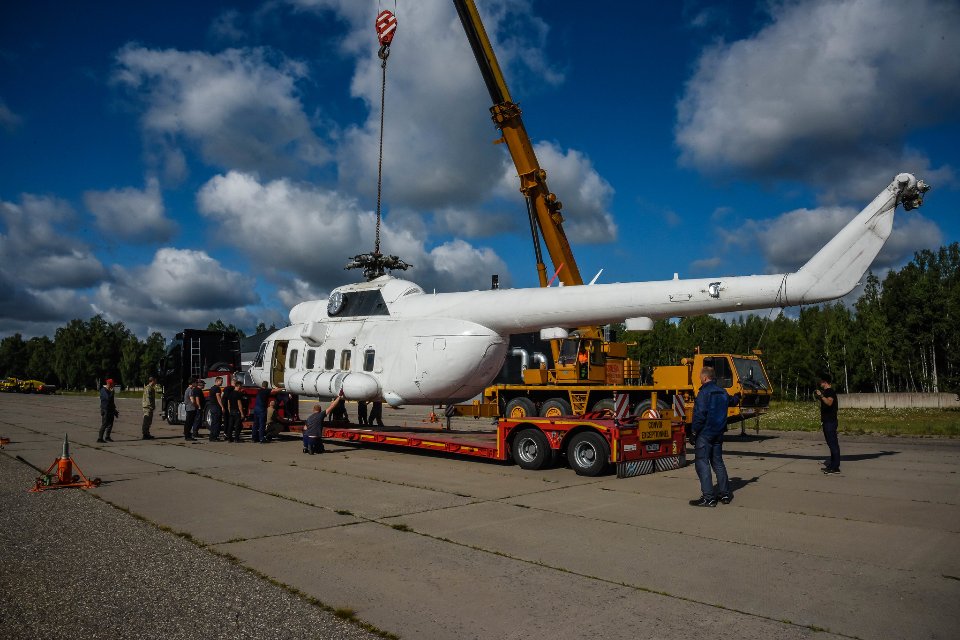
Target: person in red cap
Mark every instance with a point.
(108, 411)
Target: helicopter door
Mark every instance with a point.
(278, 362)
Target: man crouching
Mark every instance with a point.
(313, 434)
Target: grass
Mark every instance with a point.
(805, 416)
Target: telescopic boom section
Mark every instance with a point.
(545, 206)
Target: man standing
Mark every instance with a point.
(709, 423)
(149, 404)
(216, 409)
(108, 411)
(828, 418)
(233, 403)
(376, 415)
(201, 400)
(260, 410)
(313, 434)
(190, 405)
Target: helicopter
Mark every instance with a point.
(387, 340)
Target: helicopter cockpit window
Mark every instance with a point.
(258, 362)
(362, 303)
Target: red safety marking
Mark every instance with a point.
(620, 408)
(678, 407)
(386, 27)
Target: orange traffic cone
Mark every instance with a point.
(64, 477)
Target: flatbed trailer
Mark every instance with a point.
(591, 442)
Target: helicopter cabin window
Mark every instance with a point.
(311, 358)
(293, 359)
(345, 360)
(368, 357)
(329, 359)
(259, 360)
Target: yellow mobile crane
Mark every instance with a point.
(588, 369)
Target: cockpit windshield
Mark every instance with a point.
(752, 375)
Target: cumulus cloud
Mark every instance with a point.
(179, 288)
(240, 107)
(131, 214)
(585, 194)
(283, 226)
(792, 238)
(826, 93)
(34, 253)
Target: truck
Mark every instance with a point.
(589, 364)
(206, 355)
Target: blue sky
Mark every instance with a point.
(168, 164)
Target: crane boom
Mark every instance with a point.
(543, 205)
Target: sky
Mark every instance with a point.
(168, 164)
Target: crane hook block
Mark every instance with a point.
(386, 27)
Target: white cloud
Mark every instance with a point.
(827, 93)
(33, 251)
(311, 232)
(584, 193)
(240, 107)
(792, 238)
(131, 214)
(179, 288)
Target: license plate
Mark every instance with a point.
(653, 447)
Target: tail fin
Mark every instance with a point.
(837, 268)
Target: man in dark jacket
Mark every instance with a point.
(709, 423)
(108, 411)
(313, 433)
(828, 419)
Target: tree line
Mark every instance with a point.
(82, 354)
(900, 335)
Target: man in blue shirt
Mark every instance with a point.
(709, 423)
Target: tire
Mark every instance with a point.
(588, 454)
(603, 405)
(531, 450)
(170, 413)
(520, 407)
(646, 404)
(555, 407)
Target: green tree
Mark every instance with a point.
(40, 360)
(13, 356)
(220, 326)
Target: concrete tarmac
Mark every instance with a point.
(427, 546)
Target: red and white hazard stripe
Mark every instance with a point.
(678, 407)
(621, 408)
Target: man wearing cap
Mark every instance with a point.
(108, 411)
(828, 419)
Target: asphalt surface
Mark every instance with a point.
(76, 567)
(434, 547)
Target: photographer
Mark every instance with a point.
(828, 418)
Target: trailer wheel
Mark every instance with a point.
(521, 407)
(555, 407)
(588, 453)
(531, 450)
(171, 412)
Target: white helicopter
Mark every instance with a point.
(388, 340)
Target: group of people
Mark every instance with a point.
(710, 421)
(227, 411)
